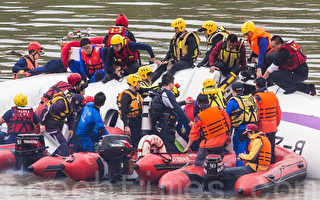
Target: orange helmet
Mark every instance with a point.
(74, 79)
(122, 20)
(35, 46)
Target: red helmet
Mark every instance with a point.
(35, 46)
(122, 20)
(88, 99)
(74, 79)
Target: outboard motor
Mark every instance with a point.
(29, 148)
(213, 167)
(117, 151)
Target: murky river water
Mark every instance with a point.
(48, 21)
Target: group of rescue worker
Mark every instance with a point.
(252, 118)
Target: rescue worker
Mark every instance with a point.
(269, 112)
(74, 85)
(121, 58)
(242, 110)
(213, 35)
(120, 27)
(130, 106)
(20, 119)
(91, 58)
(229, 55)
(257, 160)
(164, 108)
(53, 116)
(214, 94)
(183, 51)
(28, 63)
(259, 42)
(212, 125)
(289, 69)
(145, 72)
(90, 118)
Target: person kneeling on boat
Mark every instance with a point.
(258, 159)
(20, 119)
(229, 55)
(289, 69)
(91, 127)
(124, 52)
(212, 124)
(53, 117)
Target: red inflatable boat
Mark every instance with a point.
(152, 166)
(289, 167)
(7, 157)
(39, 167)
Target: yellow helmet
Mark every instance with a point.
(210, 26)
(209, 83)
(20, 100)
(179, 23)
(116, 39)
(247, 27)
(144, 71)
(133, 79)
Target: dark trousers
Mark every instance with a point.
(54, 128)
(231, 175)
(167, 135)
(131, 69)
(135, 128)
(225, 70)
(53, 66)
(63, 149)
(175, 67)
(202, 154)
(272, 138)
(268, 60)
(292, 80)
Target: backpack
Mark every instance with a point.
(156, 107)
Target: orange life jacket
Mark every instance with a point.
(253, 42)
(213, 122)
(136, 106)
(264, 156)
(92, 62)
(267, 111)
(31, 65)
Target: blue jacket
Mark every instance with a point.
(21, 65)
(232, 106)
(90, 117)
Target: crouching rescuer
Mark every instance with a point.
(212, 125)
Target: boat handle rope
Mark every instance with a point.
(281, 170)
(165, 160)
(188, 160)
(73, 158)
